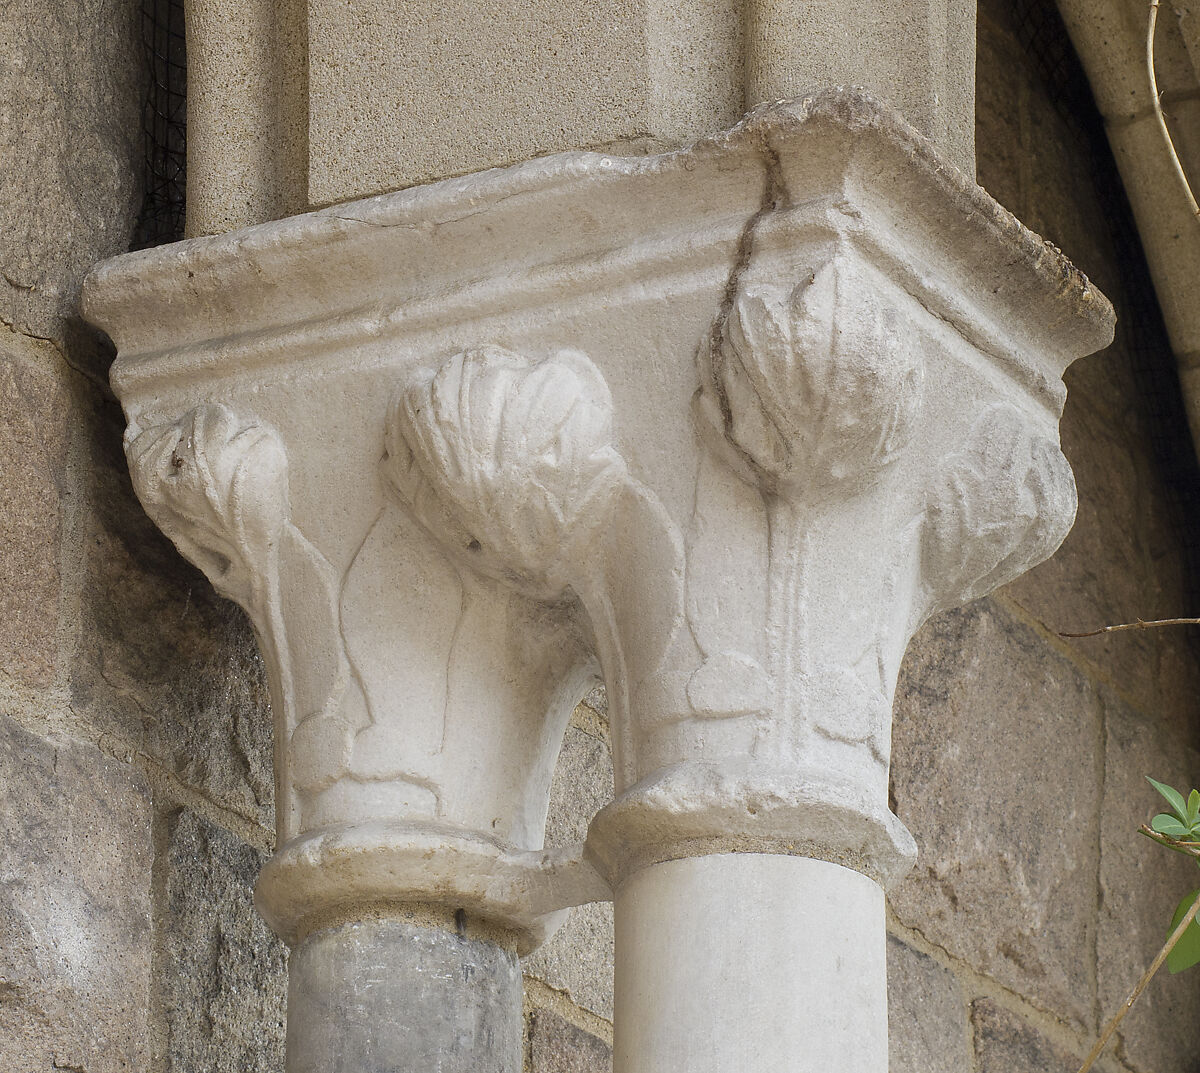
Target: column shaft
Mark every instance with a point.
(247, 153)
(393, 996)
(759, 963)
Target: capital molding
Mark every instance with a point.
(721, 427)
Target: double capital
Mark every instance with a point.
(720, 428)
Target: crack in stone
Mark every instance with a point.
(774, 198)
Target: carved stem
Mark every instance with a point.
(594, 595)
(789, 552)
(273, 641)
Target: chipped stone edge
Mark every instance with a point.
(699, 807)
(374, 864)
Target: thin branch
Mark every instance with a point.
(1155, 965)
(1192, 849)
(1158, 112)
(1137, 625)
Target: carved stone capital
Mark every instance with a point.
(720, 427)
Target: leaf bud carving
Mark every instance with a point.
(508, 461)
(218, 489)
(817, 385)
(1006, 504)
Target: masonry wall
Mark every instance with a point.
(135, 785)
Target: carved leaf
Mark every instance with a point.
(1007, 503)
(509, 462)
(814, 386)
(219, 491)
(842, 707)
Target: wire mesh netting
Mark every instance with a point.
(164, 124)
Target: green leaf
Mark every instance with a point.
(1174, 798)
(1169, 825)
(1193, 807)
(1185, 953)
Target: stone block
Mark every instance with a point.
(75, 916)
(987, 713)
(578, 959)
(162, 661)
(1006, 1044)
(557, 1046)
(597, 699)
(401, 93)
(34, 432)
(582, 785)
(225, 975)
(1140, 885)
(927, 1014)
(71, 140)
(1123, 558)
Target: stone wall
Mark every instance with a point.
(1019, 755)
(135, 782)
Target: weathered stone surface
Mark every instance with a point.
(402, 94)
(597, 699)
(985, 714)
(557, 1046)
(1100, 574)
(225, 976)
(34, 413)
(918, 57)
(1110, 38)
(162, 661)
(75, 928)
(70, 128)
(927, 1014)
(582, 785)
(1006, 1044)
(247, 119)
(1122, 559)
(998, 113)
(578, 957)
(1060, 207)
(1030, 157)
(1140, 885)
(384, 995)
